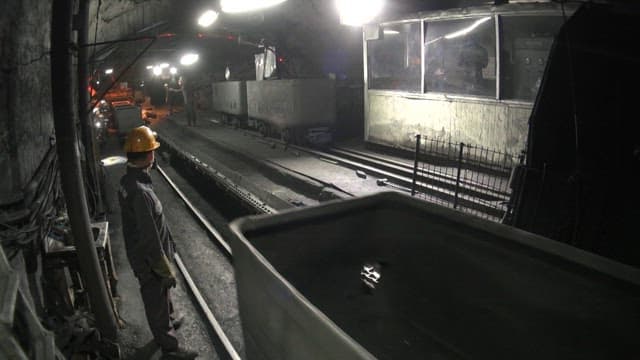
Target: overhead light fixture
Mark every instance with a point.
(164, 65)
(468, 29)
(173, 71)
(240, 6)
(207, 18)
(149, 67)
(157, 70)
(391, 32)
(108, 71)
(358, 12)
(189, 59)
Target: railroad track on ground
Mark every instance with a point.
(433, 184)
(393, 170)
(437, 186)
(228, 351)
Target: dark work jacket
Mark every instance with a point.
(146, 234)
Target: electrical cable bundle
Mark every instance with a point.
(40, 205)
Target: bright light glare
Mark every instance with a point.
(149, 67)
(113, 160)
(391, 32)
(238, 6)
(157, 70)
(173, 71)
(358, 12)
(189, 59)
(164, 65)
(108, 71)
(468, 29)
(207, 18)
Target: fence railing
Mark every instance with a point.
(470, 178)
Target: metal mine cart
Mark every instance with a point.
(390, 277)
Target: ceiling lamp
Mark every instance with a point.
(207, 18)
(157, 70)
(239, 6)
(173, 71)
(189, 59)
(358, 12)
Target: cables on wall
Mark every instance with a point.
(40, 207)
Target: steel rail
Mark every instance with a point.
(197, 214)
(394, 179)
(398, 171)
(401, 167)
(231, 351)
(213, 322)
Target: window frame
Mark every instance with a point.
(497, 54)
(381, 26)
(424, 19)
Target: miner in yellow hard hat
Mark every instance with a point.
(149, 242)
(140, 140)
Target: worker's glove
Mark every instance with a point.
(165, 272)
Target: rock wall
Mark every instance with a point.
(26, 119)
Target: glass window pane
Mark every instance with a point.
(394, 60)
(460, 56)
(525, 49)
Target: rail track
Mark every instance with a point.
(474, 192)
(435, 186)
(396, 173)
(228, 351)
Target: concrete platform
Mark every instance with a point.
(283, 177)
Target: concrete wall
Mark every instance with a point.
(394, 120)
(26, 120)
(121, 19)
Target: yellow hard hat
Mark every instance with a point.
(141, 139)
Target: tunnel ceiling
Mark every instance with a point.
(307, 30)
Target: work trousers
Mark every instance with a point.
(158, 308)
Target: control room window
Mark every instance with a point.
(526, 41)
(394, 59)
(460, 56)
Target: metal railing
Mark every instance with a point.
(470, 178)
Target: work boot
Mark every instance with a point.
(179, 354)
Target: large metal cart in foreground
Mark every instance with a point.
(391, 277)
